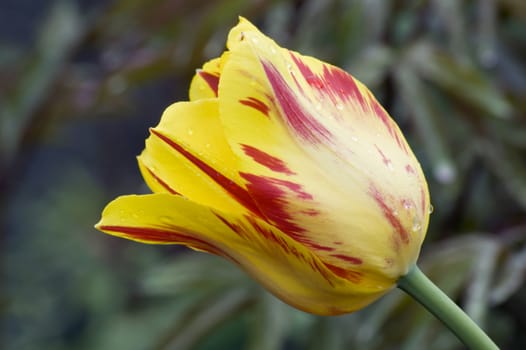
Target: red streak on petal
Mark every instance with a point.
(351, 259)
(353, 276)
(265, 159)
(275, 238)
(423, 202)
(386, 160)
(295, 115)
(333, 82)
(311, 212)
(269, 235)
(409, 169)
(256, 104)
(382, 115)
(272, 196)
(238, 229)
(237, 192)
(163, 236)
(211, 79)
(161, 182)
(388, 123)
(388, 214)
(169, 236)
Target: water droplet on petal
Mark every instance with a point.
(354, 138)
(272, 50)
(318, 106)
(190, 132)
(431, 208)
(339, 106)
(166, 220)
(255, 40)
(123, 215)
(416, 225)
(395, 212)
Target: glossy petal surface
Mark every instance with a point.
(285, 267)
(187, 154)
(323, 160)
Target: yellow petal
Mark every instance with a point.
(187, 154)
(321, 157)
(285, 267)
(206, 80)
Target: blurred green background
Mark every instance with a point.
(81, 82)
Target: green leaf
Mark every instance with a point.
(461, 80)
(425, 117)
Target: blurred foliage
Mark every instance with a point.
(81, 82)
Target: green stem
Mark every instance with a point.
(417, 285)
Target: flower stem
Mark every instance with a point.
(417, 285)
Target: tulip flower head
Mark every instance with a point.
(288, 167)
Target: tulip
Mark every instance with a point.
(288, 167)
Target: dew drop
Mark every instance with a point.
(339, 106)
(207, 145)
(272, 50)
(123, 215)
(416, 225)
(165, 220)
(289, 66)
(255, 40)
(395, 212)
(318, 106)
(431, 208)
(354, 138)
(190, 132)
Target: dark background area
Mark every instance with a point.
(81, 82)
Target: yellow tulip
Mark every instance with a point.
(288, 167)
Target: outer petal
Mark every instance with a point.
(187, 154)
(323, 160)
(285, 267)
(206, 80)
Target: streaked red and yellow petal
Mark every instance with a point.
(187, 154)
(288, 118)
(285, 267)
(206, 80)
